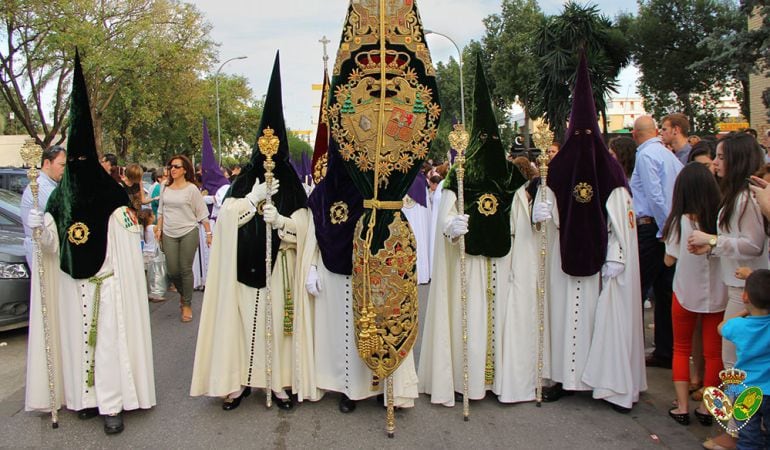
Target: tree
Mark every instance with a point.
(510, 44)
(559, 41)
(678, 70)
(130, 49)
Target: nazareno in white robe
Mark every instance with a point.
(440, 369)
(596, 328)
(419, 218)
(123, 371)
(338, 366)
(433, 230)
(224, 347)
(201, 261)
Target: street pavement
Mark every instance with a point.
(180, 421)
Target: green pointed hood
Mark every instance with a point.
(87, 196)
(490, 179)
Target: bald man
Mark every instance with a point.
(652, 184)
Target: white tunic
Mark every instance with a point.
(419, 220)
(441, 353)
(596, 331)
(122, 358)
(230, 350)
(339, 368)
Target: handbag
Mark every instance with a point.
(156, 275)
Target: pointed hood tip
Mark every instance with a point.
(583, 114)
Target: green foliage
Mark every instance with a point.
(558, 44)
(510, 44)
(297, 147)
(676, 44)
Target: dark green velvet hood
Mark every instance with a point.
(490, 179)
(291, 196)
(87, 196)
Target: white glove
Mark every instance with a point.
(259, 191)
(541, 212)
(458, 226)
(313, 282)
(271, 215)
(611, 269)
(35, 219)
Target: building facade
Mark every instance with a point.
(758, 83)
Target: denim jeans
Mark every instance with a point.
(752, 437)
(661, 278)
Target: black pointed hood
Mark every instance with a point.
(87, 196)
(490, 179)
(291, 197)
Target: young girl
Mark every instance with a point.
(741, 239)
(153, 260)
(698, 288)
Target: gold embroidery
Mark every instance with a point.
(78, 233)
(339, 213)
(387, 329)
(409, 202)
(261, 208)
(583, 193)
(319, 171)
(488, 205)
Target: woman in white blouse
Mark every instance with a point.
(699, 292)
(741, 240)
(180, 211)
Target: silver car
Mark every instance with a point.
(14, 272)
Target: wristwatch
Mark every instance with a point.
(713, 242)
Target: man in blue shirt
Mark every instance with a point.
(674, 132)
(652, 185)
(53, 162)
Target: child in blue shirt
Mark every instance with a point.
(750, 332)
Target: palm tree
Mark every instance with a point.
(559, 42)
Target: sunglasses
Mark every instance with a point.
(175, 166)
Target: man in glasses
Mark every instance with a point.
(52, 165)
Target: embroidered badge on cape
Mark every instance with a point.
(78, 233)
(583, 193)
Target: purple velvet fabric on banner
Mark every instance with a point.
(582, 176)
(419, 190)
(211, 173)
(305, 167)
(335, 237)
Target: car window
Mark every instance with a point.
(9, 202)
(6, 221)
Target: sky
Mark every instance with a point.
(257, 29)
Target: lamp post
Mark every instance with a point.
(460, 62)
(216, 82)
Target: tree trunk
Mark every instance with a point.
(98, 131)
(527, 134)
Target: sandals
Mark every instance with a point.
(680, 418)
(186, 313)
(697, 395)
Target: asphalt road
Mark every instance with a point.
(179, 421)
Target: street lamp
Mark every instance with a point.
(216, 82)
(460, 61)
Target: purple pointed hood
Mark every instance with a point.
(419, 190)
(212, 175)
(582, 176)
(305, 167)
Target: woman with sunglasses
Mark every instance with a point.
(180, 211)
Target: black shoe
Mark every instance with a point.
(232, 403)
(654, 361)
(554, 393)
(113, 424)
(346, 404)
(458, 397)
(620, 409)
(704, 419)
(284, 404)
(680, 418)
(88, 413)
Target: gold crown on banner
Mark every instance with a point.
(732, 376)
(395, 62)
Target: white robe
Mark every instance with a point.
(596, 332)
(201, 261)
(227, 328)
(339, 368)
(433, 230)
(441, 355)
(419, 218)
(123, 368)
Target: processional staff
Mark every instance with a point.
(31, 153)
(268, 145)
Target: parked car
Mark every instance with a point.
(14, 272)
(13, 179)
